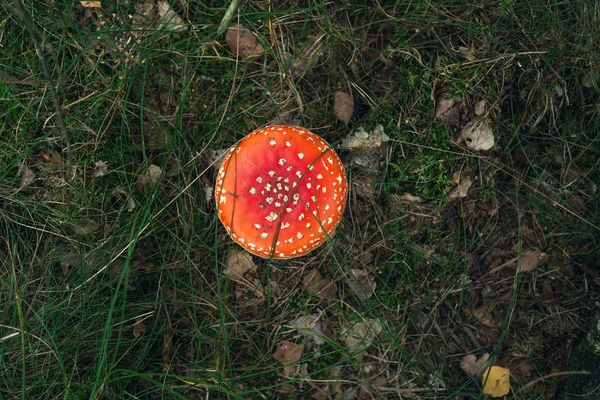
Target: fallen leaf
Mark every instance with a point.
(462, 190)
(51, 157)
(169, 19)
(129, 198)
(100, 169)
(577, 204)
(139, 328)
(361, 140)
(27, 176)
(362, 283)
(477, 135)
(473, 366)
(307, 56)
(484, 316)
(242, 42)
(449, 111)
(288, 352)
(547, 292)
(149, 179)
(532, 259)
(480, 108)
(359, 336)
(239, 262)
(409, 198)
(496, 381)
(385, 77)
(317, 286)
(343, 106)
(311, 326)
(91, 4)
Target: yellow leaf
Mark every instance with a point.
(91, 4)
(496, 381)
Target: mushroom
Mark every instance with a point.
(281, 192)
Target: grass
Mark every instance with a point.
(111, 287)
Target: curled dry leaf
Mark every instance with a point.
(100, 169)
(462, 190)
(343, 106)
(128, 197)
(27, 176)
(480, 108)
(288, 352)
(473, 366)
(242, 42)
(484, 316)
(362, 283)
(139, 328)
(307, 56)
(532, 259)
(359, 336)
(149, 179)
(477, 135)
(239, 262)
(91, 4)
(311, 326)
(449, 111)
(408, 198)
(361, 140)
(169, 20)
(316, 285)
(496, 381)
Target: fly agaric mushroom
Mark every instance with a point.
(281, 191)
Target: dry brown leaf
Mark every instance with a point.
(27, 176)
(51, 157)
(385, 77)
(361, 140)
(242, 42)
(484, 316)
(169, 20)
(100, 169)
(150, 178)
(449, 111)
(306, 57)
(288, 352)
(343, 106)
(477, 135)
(139, 328)
(128, 197)
(462, 190)
(577, 204)
(239, 262)
(91, 4)
(532, 259)
(408, 198)
(362, 283)
(473, 366)
(311, 326)
(480, 108)
(317, 286)
(359, 336)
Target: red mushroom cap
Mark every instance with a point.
(281, 191)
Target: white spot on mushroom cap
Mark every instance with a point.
(301, 155)
(271, 217)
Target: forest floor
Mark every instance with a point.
(470, 236)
